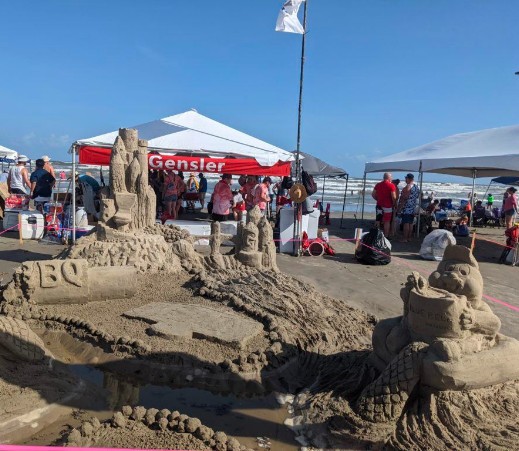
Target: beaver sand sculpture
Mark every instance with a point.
(446, 341)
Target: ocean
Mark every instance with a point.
(334, 189)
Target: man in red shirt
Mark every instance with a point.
(385, 195)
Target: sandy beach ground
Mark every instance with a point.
(374, 289)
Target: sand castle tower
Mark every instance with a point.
(130, 202)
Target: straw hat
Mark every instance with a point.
(298, 193)
(45, 158)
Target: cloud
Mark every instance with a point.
(57, 141)
(53, 141)
(29, 138)
(152, 55)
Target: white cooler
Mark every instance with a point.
(310, 225)
(33, 225)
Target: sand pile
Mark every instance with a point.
(150, 429)
(170, 232)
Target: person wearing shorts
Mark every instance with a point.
(409, 196)
(202, 189)
(170, 194)
(385, 195)
(510, 207)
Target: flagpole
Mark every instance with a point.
(298, 207)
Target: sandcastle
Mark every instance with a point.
(233, 322)
(446, 345)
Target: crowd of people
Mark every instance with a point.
(226, 201)
(396, 207)
(38, 184)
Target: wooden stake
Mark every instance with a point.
(20, 228)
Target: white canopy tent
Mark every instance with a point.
(491, 152)
(484, 153)
(192, 133)
(189, 133)
(8, 153)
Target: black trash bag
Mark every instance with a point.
(378, 252)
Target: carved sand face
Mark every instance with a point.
(458, 278)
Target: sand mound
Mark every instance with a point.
(150, 429)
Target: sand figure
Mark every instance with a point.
(249, 250)
(266, 244)
(133, 198)
(444, 342)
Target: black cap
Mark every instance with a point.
(409, 176)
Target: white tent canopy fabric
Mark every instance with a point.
(484, 153)
(8, 153)
(195, 134)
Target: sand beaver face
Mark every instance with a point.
(460, 277)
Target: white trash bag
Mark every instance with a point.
(434, 244)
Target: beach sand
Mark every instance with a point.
(373, 289)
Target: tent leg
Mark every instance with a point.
(344, 200)
(322, 197)
(73, 194)
(419, 203)
(471, 221)
(363, 196)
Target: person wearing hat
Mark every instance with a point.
(18, 178)
(48, 167)
(202, 189)
(261, 195)
(510, 207)
(407, 206)
(222, 198)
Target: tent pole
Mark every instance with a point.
(474, 172)
(363, 196)
(298, 207)
(344, 200)
(74, 194)
(419, 202)
(322, 197)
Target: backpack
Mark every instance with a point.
(308, 183)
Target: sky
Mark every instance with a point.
(381, 76)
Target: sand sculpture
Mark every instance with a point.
(126, 233)
(446, 341)
(255, 243)
(155, 428)
(69, 281)
(130, 203)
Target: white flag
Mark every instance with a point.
(287, 19)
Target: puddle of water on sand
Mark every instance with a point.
(245, 418)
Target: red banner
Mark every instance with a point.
(247, 166)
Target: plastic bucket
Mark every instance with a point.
(316, 249)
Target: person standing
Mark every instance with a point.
(48, 167)
(170, 194)
(490, 201)
(42, 182)
(394, 220)
(247, 191)
(222, 198)
(510, 207)
(202, 189)
(261, 195)
(18, 178)
(385, 195)
(410, 194)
